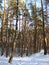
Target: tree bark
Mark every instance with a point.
(45, 50)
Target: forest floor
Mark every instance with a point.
(34, 59)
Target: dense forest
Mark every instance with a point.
(24, 27)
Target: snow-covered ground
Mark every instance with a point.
(35, 59)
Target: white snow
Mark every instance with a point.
(34, 59)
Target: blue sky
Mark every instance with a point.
(37, 2)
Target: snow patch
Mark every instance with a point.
(34, 59)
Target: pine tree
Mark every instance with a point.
(44, 43)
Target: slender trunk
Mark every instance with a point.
(45, 50)
(7, 44)
(35, 29)
(34, 42)
(2, 31)
(13, 46)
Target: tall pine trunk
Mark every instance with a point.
(14, 43)
(35, 28)
(44, 43)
